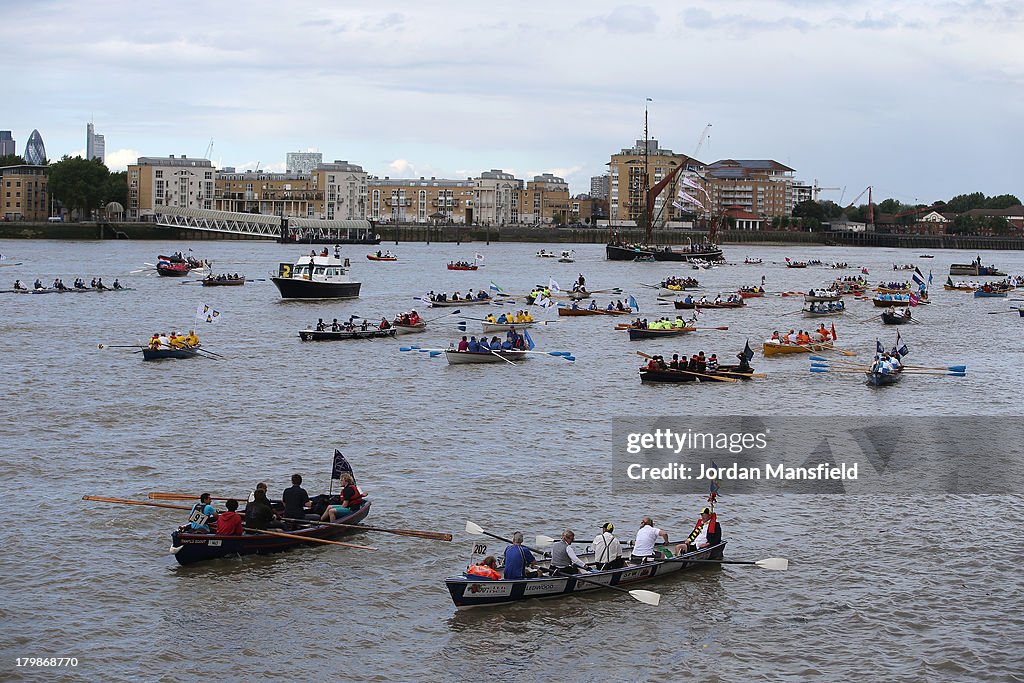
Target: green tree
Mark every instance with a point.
(78, 183)
(966, 202)
(11, 160)
(116, 189)
(1003, 201)
(890, 206)
(832, 210)
(809, 209)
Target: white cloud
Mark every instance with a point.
(119, 159)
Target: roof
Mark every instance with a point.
(741, 168)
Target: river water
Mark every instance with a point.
(919, 586)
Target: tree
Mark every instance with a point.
(966, 202)
(11, 160)
(809, 209)
(891, 206)
(1003, 201)
(832, 210)
(116, 189)
(78, 183)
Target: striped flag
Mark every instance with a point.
(497, 288)
(633, 304)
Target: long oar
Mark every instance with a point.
(210, 354)
(122, 501)
(455, 312)
(759, 375)
(162, 495)
(430, 535)
(477, 530)
(774, 563)
(646, 597)
(951, 368)
(120, 346)
(494, 352)
(310, 539)
(691, 372)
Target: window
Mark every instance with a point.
(159, 174)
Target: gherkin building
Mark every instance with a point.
(35, 152)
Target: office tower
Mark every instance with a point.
(7, 145)
(35, 152)
(95, 147)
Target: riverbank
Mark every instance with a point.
(397, 234)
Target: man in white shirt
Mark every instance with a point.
(646, 538)
(607, 549)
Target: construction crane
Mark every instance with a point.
(704, 135)
(817, 190)
(209, 148)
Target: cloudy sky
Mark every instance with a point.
(921, 99)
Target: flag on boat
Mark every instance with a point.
(914, 300)
(690, 199)
(633, 304)
(207, 314)
(553, 286)
(497, 288)
(834, 335)
(748, 353)
(929, 277)
(918, 278)
(878, 348)
(529, 341)
(340, 466)
(425, 299)
(715, 483)
(478, 257)
(900, 349)
(543, 302)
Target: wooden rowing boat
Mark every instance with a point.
(409, 329)
(505, 327)
(341, 335)
(470, 357)
(473, 591)
(721, 304)
(887, 300)
(812, 298)
(808, 313)
(883, 379)
(212, 281)
(565, 310)
(453, 266)
(461, 302)
(374, 257)
(189, 548)
(68, 290)
(168, 354)
(167, 269)
(775, 348)
(638, 333)
(994, 293)
(891, 318)
(681, 376)
(747, 294)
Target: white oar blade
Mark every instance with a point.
(474, 529)
(544, 540)
(777, 563)
(646, 597)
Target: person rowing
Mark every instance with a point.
(646, 538)
(20, 287)
(564, 561)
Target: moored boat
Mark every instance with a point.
(473, 591)
(316, 277)
(189, 548)
(495, 356)
(168, 354)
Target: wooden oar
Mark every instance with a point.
(691, 372)
(122, 501)
(160, 495)
(496, 353)
(951, 368)
(120, 346)
(759, 375)
(297, 537)
(430, 535)
(455, 312)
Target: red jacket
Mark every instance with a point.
(229, 524)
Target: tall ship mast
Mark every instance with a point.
(618, 249)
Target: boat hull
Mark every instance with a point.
(892, 319)
(692, 305)
(329, 335)
(879, 379)
(371, 257)
(636, 334)
(467, 358)
(683, 376)
(588, 311)
(505, 327)
(886, 303)
(461, 302)
(168, 354)
(211, 282)
(295, 288)
(201, 547)
(409, 329)
(776, 349)
(173, 270)
(469, 592)
(451, 267)
(617, 253)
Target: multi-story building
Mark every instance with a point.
(599, 186)
(276, 194)
(761, 187)
(546, 200)
(401, 200)
(35, 151)
(497, 198)
(632, 171)
(303, 162)
(95, 146)
(344, 188)
(154, 182)
(7, 145)
(24, 193)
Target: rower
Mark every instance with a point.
(154, 341)
(117, 284)
(191, 339)
(564, 560)
(646, 537)
(321, 326)
(706, 532)
(19, 286)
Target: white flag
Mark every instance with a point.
(689, 182)
(212, 316)
(202, 310)
(690, 199)
(553, 286)
(543, 302)
(479, 257)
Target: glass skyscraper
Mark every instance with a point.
(35, 152)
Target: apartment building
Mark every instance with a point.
(498, 198)
(154, 182)
(757, 186)
(423, 200)
(275, 194)
(637, 168)
(344, 187)
(24, 196)
(546, 201)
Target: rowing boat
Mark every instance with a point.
(808, 313)
(454, 266)
(887, 300)
(883, 379)
(374, 257)
(461, 302)
(891, 318)
(340, 335)
(409, 329)
(167, 354)
(749, 294)
(777, 348)
(167, 269)
(211, 281)
(68, 290)
(474, 591)
(822, 296)
(189, 548)
(670, 376)
(720, 304)
(469, 357)
(592, 311)
(981, 293)
(505, 327)
(638, 333)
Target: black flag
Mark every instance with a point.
(747, 352)
(340, 466)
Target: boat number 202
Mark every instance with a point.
(480, 549)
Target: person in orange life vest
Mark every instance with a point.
(485, 569)
(229, 523)
(414, 318)
(351, 500)
(706, 532)
(652, 364)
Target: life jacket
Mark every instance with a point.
(197, 518)
(355, 501)
(484, 571)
